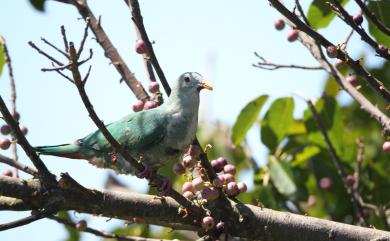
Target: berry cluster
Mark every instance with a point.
(5, 130)
(139, 105)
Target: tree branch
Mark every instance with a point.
(274, 66)
(373, 18)
(24, 221)
(18, 165)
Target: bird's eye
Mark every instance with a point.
(187, 79)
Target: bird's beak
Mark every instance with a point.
(205, 85)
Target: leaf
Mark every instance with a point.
(305, 154)
(73, 234)
(276, 122)
(2, 56)
(320, 14)
(38, 4)
(247, 118)
(296, 127)
(281, 176)
(381, 10)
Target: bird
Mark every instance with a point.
(153, 136)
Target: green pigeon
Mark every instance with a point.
(153, 136)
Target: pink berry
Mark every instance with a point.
(189, 195)
(7, 173)
(138, 220)
(81, 225)
(292, 35)
(352, 79)
(188, 162)
(178, 169)
(150, 104)
(198, 184)
(210, 193)
(228, 178)
(187, 186)
(138, 106)
(5, 143)
(220, 225)
(5, 130)
(331, 50)
(311, 200)
(279, 24)
(154, 87)
(218, 164)
(358, 19)
(381, 49)
(24, 129)
(350, 179)
(338, 63)
(208, 222)
(194, 150)
(242, 187)
(229, 168)
(218, 182)
(140, 47)
(326, 183)
(232, 189)
(386, 147)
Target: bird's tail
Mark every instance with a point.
(66, 150)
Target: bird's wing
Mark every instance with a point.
(136, 132)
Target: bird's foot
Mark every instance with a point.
(146, 173)
(165, 187)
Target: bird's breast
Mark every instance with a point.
(181, 130)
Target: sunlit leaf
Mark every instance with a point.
(281, 176)
(305, 154)
(296, 127)
(276, 122)
(320, 14)
(247, 118)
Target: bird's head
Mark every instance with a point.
(192, 82)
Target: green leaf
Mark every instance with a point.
(320, 14)
(73, 234)
(276, 122)
(281, 176)
(2, 56)
(381, 10)
(247, 118)
(296, 127)
(305, 154)
(38, 4)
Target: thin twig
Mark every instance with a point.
(359, 159)
(54, 47)
(346, 40)
(102, 233)
(88, 21)
(344, 15)
(373, 82)
(18, 165)
(338, 163)
(373, 18)
(24, 221)
(59, 68)
(63, 33)
(44, 54)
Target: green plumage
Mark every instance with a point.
(153, 136)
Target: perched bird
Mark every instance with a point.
(153, 136)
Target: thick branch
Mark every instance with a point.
(256, 223)
(373, 18)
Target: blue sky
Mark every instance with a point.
(216, 38)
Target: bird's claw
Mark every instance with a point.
(165, 187)
(146, 173)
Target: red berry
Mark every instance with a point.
(381, 49)
(138, 106)
(326, 183)
(198, 184)
(7, 173)
(242, 187)
(140, 47)
(208, 222)
(292, 35)
(5, 130)
(187, 186)
(358, 19)
(228, 178)
(279, 24)
(220, 225)
(331, 51)
(218, 164)
(178, 169)
(350, 179)
(352, 79)
(189, 195)
(150, 104)
(81, 225)
(229, 168)
(386, 147)
(188, 162)
(210, 193)
(5, 143)
(24, 129)
(232, 189)
(154, 87)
